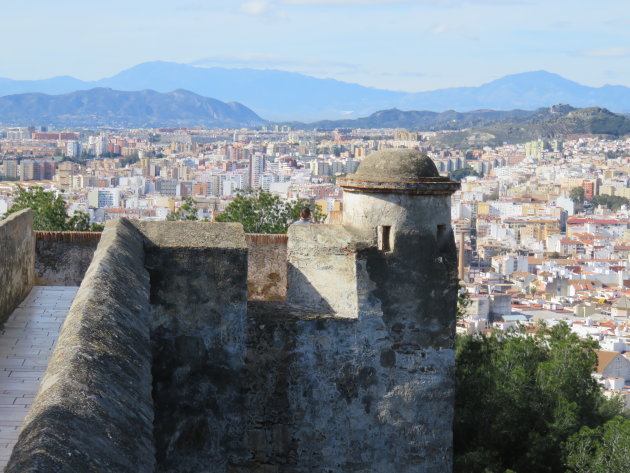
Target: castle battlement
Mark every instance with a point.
(185, 350)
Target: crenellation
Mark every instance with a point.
(352, 373)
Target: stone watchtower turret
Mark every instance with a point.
(392, 267)
(353, 373)
(399, 204)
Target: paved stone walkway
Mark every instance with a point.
(26, 343)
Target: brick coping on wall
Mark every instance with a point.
(260, 238)
(267, 238)
(67, 236)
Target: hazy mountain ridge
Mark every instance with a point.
(288, 96)
(107, 107)
(421, 120)
(492, 127)
(553, 122)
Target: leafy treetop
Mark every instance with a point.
(186, 211)
(49, 211)
(262, 212)
(521, 398)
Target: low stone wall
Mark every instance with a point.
(17, 260)
(62, 258)
(198, 277)
(94, 409)
(266, 267)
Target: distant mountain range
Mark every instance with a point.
(421, 120)
(287, 96)
(489, 127)
(101, 107)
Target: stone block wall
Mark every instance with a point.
(198, 275)
(94, 410)
(322, 269)
(267, 266)
(336, 395)
(17, 260)
(164, 366)
(62, 258)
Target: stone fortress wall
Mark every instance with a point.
(62, 258)
(17, 261)
(267, 266)
(351, 373)
(94, 410)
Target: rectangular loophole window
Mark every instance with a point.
(441, 232)
(442, 242)
(383, 238)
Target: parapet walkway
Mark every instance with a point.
(26, 343)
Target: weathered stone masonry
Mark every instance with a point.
(94, 409)
(17, 260)
(352, 373)
(62, 258)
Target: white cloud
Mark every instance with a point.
(439, 29)
(607, 52)
(255, 7)
(392, 2)
(266, 7)
(270, 61)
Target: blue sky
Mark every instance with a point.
(411, 45)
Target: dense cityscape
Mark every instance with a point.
(541, 239)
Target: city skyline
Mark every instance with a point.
(392, 44)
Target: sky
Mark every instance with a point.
(409, 45)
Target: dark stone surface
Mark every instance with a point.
(17, 260)
(416, 285)
(63, 263)
(246, 388)
(94, 408)
(198, 301)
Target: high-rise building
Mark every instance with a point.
(37, 170)
(73, 148)
(10, 169)
(256, 168)
(104, 197)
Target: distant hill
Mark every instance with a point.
(112, 108)
(421, 120)
(286, 96)
(489, 127)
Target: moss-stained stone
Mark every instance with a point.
(352, 374)
(17, 260)
(94, 410)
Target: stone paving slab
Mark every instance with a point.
(26, 343)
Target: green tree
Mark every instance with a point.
(605, 449)
(133, 158)
(613, 202)
(577, 195)
(49, 210)
(186, 211)
(520, 397)
(261, 212)
(460, 174)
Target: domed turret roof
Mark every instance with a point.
(398, 164)
(398, 171)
